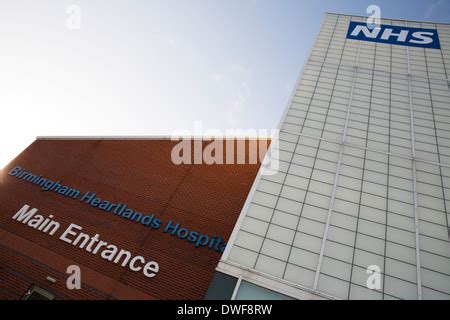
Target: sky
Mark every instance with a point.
(153, 67)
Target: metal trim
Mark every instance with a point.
(336, 177)
(416, 206)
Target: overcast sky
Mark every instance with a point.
(151, 67)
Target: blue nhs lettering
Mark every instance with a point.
(405, 36)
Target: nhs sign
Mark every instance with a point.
(404, 36)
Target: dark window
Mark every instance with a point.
(37, 293)
(221, 287)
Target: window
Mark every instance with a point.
(221, 287)
(250, 291)
(37, 293)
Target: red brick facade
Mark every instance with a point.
(140, 173)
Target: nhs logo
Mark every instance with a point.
(404, 36)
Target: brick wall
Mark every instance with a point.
(204, 198)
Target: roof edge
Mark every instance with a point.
(357, 15)
(151, 137)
